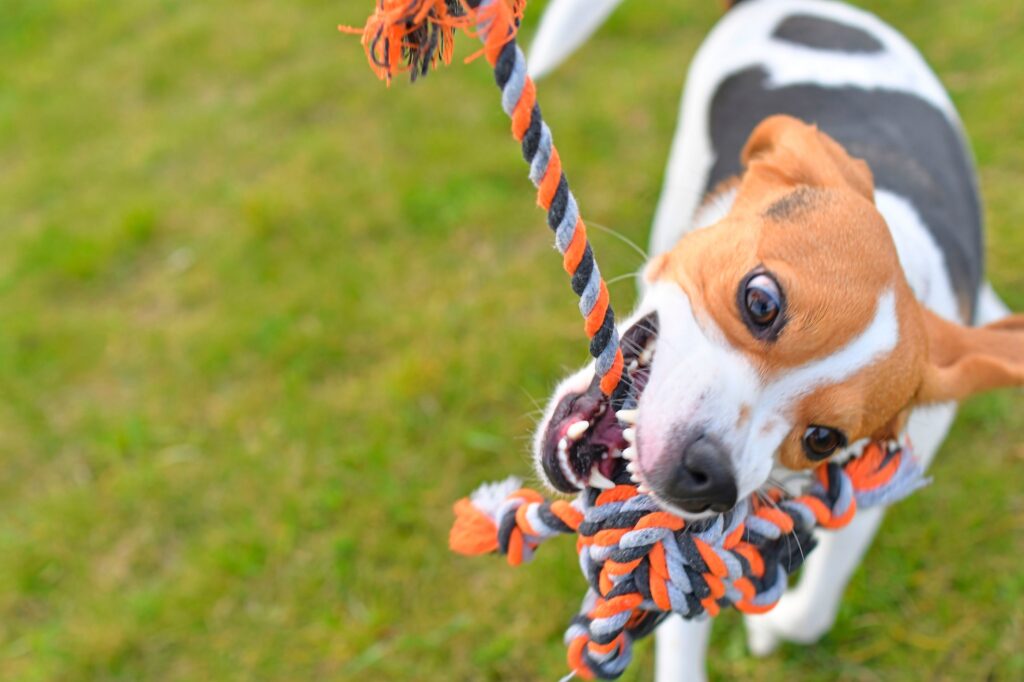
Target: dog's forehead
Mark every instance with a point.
(830, 252)
(823, 226)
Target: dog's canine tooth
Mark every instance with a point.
(576, 431)
(629, 435)
(598, 480)
(628, 416)
(629, 453)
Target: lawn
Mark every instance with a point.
(262, 320)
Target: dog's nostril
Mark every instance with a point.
(703, 478)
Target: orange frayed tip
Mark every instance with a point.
(473, 532)
(409, 36)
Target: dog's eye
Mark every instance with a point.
(821, 442)
(761, 302)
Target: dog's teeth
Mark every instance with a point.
(598, 480)
(645, 357)
(633, 366)
(563, 445)
(632, 467)
(576, 431)
(634, 478)
(629, 435)
(628, 416)
(629, 453)
(642, 489)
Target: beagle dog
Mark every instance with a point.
(816, 281)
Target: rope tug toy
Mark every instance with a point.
(641, 562)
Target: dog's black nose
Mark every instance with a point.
(703, 479)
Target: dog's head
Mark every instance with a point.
(782, 334)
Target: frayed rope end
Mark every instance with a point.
(475, 530)
(415, 35)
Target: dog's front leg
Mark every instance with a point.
(681, 649)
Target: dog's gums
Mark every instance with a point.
(588, 438)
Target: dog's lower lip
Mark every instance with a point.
(565, 467)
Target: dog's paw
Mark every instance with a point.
(793, 620)
(762, 640)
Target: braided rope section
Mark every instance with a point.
(519, 100)
(420, 32)
(642, 563)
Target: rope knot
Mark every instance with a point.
(642, 563)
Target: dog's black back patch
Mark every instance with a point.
(819, 33)
(912, 148)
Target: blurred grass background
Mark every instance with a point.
(262, 321)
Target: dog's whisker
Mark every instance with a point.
(624, 276)
(769, 501)
(536, 403)
(621, 237)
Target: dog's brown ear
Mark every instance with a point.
(963, 361)
(785, 150)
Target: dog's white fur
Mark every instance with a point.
(742, 39)
(700, 378)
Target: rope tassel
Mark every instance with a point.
(410, 35)
(414, 35)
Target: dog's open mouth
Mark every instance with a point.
(588, 434)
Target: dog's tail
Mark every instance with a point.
(565, 26)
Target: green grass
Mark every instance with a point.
(262, 321)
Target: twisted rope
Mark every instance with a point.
(519, 100)
(642, 563)
(420, 31)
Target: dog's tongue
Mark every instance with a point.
(607, 432)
